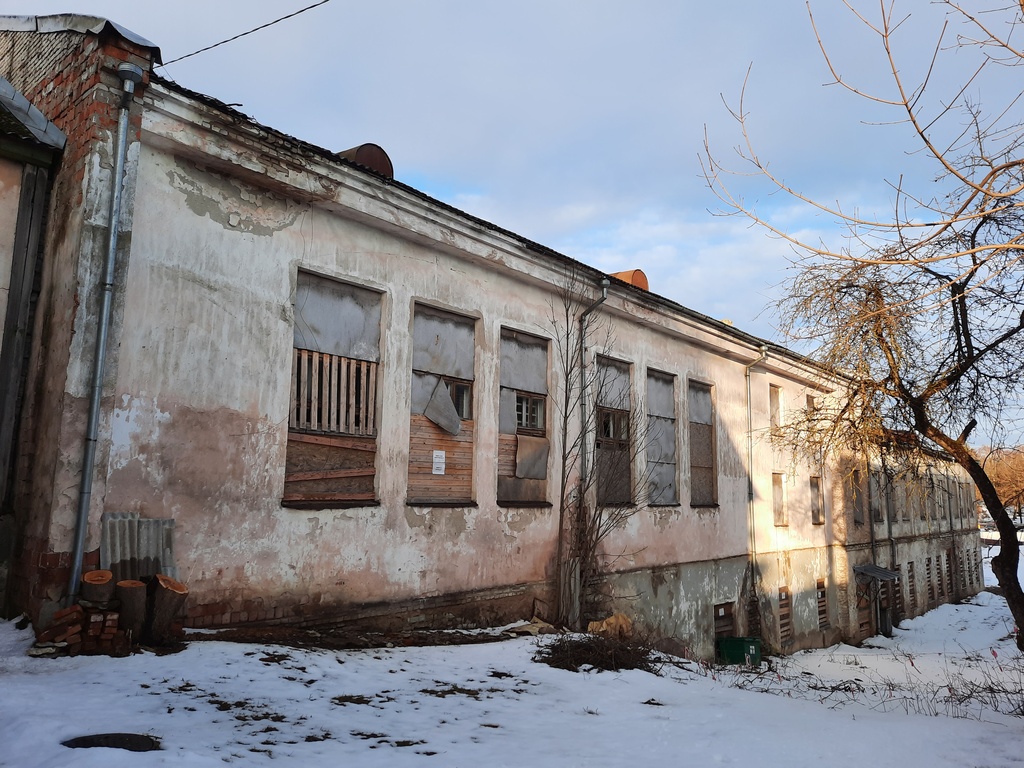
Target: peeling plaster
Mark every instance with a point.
(230, 203)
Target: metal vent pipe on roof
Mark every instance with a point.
(131, 75)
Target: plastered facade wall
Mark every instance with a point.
(221, 216)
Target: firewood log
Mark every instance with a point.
(167, 598)
(97, 586)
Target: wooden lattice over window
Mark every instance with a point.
(822, 593)
(332, 394)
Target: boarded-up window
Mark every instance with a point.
(613, 457)
(931, 581)
(661, 439)
(950, 584)
(897, 593)
(332, 421)
(703, 466)
(911, 588)
(522, 419)
(441, 420)
(857, 497)
(817, 502)
(779, 498)
(785, 616)
(822, 593)
(724, 624)
(940, 585)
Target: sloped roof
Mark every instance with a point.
(21, 120)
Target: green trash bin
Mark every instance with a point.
(739, 650)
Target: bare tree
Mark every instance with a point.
(603, 435)
(921, 311)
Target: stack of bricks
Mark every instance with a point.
(87, 631)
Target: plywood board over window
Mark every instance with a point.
(332, 432)
(441, 420)
(661, 439)
(523, 445)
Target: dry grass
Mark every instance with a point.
(575, 652)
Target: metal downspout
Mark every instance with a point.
(750, 472)
(131, 75)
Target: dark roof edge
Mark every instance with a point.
(42, 130)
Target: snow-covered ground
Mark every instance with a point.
(924, 697)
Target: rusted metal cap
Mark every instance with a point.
(371, 157)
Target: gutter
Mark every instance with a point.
(131, 75)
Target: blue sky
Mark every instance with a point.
(578, 125)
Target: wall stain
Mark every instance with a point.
(230, 203)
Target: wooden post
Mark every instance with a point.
(167, 597)
(132, 617)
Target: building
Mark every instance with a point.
(323, 396)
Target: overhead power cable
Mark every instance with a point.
(243, 34)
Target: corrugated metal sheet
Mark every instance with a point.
(132, 547)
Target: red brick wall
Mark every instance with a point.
(71, 78)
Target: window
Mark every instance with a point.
(661, 439)
(822, 593)
(875, 494)
(529, 414)
(941, 498)
(332, 419)
(897, 593)
(779, 498)
(441, 428)
(774, 407)
(857, 497)
(724, 624)
(703, 470)
(523, 445)
(931, 583)
(950, 584)
(785, 616)
(817, 502)
(461, 393)
(613, 460)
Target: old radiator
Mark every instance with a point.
(132, 547)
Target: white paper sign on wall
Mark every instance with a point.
(438, 468)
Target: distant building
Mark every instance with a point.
(327, 397)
